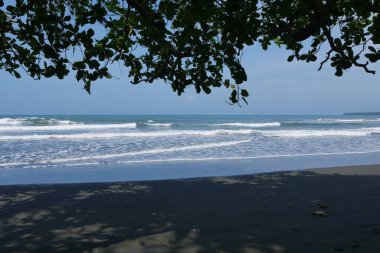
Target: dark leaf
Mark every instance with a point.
(244, 93)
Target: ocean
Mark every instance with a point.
(70, 149)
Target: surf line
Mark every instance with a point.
(143, 152)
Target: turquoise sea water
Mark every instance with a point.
(51, 149)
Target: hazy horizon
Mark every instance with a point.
(276, 88)
(17, 115)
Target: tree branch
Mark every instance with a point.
(325, 60)
(339, 50)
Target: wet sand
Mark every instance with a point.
(320, 210)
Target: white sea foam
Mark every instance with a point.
(347, 120)
(190, 159)
(247, 157)
(160, 124)
(68, 126)
(268, 133)
(126, 154)
(10, 121)
(253, 125)
(33, 120)
(59, 122)
(128, 134)
(321, 133)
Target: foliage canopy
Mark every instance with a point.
(186, 43)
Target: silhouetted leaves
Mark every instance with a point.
(194, 43)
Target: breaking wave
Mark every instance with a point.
(34, 121)
(127, 134)
(347, 120)
(64, 127)
(321, 133)
(253, 125)
(160, 124)
(136, 153)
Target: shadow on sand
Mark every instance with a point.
(269, 213)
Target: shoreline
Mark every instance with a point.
(141, 172)
(264, 212)
(366, 169)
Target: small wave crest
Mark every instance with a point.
(34, 121)
(64, 127)
(329, 122)
(151, 123)
(253, 125)
(321, 133)
(159, 124)
(10, 121)
(121, 134)
(347, 120)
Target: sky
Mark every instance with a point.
(276, 87)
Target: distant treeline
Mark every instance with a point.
(362, 113)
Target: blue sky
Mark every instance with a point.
(276, 87)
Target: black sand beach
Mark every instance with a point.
(321, 210)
